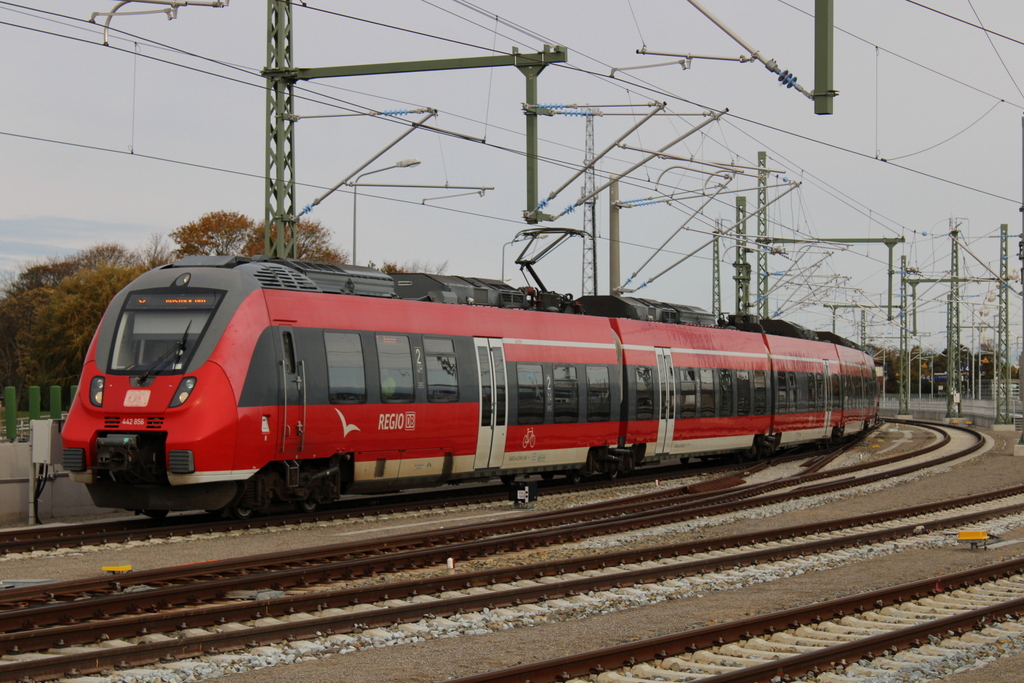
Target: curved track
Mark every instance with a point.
(48, 537)
(892, 628)
(140, 607)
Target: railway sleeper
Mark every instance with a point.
(695, 666)
(760, 653)
(776, 646)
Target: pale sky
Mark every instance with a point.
(167, 123)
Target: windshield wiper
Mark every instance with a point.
(177, 351)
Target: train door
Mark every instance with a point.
(667, 410)
(490, 444)
(292, 376)
(827, 397)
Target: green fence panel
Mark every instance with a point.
(55, 403)
(11, 412)
(35, 403)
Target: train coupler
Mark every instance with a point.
(117, 451)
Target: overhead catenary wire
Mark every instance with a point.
(662, 93)
(515, 151)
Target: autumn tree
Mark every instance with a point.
(227, 232)
(27, 352)
(17, 313)
(312, 243)
(40, 275)
(23, 295)
(413, 266)
(155, 252)
(215, 233)
(53, 348)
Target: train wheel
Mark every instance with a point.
(155, 514)
(574, 476)
(241, 512)
(547, 476)
(613, 474)
(306, 506)
(507, 479)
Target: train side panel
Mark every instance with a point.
(224, 383)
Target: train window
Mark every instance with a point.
(156, 333)
(567, 393)
(725, 388)
(760, 392)
(795, 401)
(644, 392)
(531, 394)
(289, 352)
(837, 394)
(599, 397)
(687, 406)
(667, 383)
(434, 345)
(743, 392)
(396, 379)
(485, 386)
(499, 386)
(782, 402)
(346, 377)
(707, 392)
(442, 370)
(819, 391)
(563, 373)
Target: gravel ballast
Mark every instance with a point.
(432, 652)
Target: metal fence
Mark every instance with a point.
(980, 410)
(16, 428)
(22, 430)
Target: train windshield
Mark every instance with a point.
(157, 333)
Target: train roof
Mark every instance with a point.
(335, 278)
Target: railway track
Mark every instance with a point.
(560, 526)
(49, 537)
(840, 641)
(203, 613)
(77, 536)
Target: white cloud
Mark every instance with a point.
(30, 239)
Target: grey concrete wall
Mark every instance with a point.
(62, 499)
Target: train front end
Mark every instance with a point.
(153, 426)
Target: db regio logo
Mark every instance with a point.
(397, 421)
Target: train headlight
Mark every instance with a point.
(96, 391)
(183, 392)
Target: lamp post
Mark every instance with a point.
(404, 163)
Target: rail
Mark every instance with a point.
(808, 660)
(59, 615)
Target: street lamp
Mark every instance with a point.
(404, 163)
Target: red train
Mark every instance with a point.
(233, 383)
